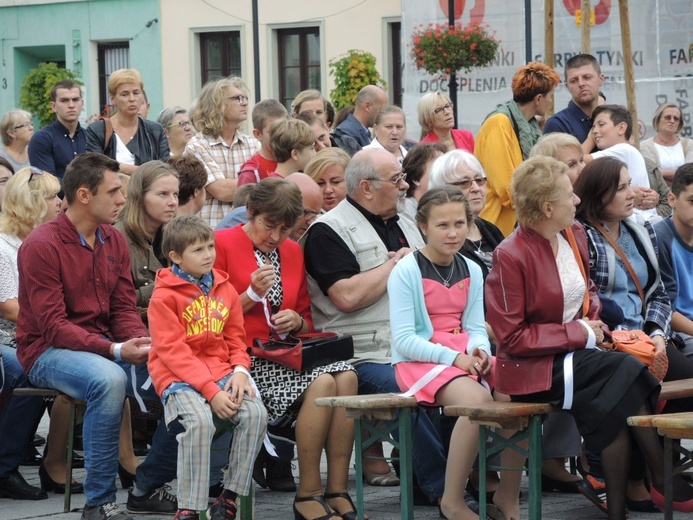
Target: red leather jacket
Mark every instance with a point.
(524, 302)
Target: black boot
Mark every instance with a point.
(279, 476)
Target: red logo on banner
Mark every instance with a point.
(601, 10)
(476, 14)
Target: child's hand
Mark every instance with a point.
(238, 385)
(223, 406)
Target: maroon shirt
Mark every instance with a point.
(70, 295)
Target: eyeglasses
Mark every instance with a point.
(24, 125)
(402, 176)
(240, 98)
(181, 124)
(309, 215)
(34, 171)
(672, 118)
(446, 106)
(467, 183)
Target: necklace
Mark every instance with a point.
(444, 279)
(477, 245)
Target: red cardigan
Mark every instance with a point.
(196, 339)
(235, 256)
(464, 139)
(524, 302)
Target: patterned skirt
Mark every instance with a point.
(281, 386)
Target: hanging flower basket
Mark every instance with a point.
(440, 48)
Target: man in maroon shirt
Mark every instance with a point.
(78, 330)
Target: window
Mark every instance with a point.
(112, 56)
(299, 62)
(220, 55)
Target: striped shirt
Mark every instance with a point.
(221, 162)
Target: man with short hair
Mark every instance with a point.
(369, 101)
(349, 253)
(79, 332)
(53, 147)
(583, 78)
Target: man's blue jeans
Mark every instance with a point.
(160, 466)
(19, 415)
(428, 454)
(101, 383)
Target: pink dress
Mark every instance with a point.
(445, 307)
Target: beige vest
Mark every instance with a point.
(370, 326)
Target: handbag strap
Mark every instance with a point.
(108, 133)
(578, 258)
(620, 252)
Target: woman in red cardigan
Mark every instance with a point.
(268, 272)
(437, 119)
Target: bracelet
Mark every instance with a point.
(116, 351)
(253, 295)
(300, 326)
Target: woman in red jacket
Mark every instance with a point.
(544, 311)
(269, 274)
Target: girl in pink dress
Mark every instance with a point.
(441, 351)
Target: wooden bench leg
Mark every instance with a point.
(406, 473)
(535, 460)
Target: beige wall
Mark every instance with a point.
(344, 25)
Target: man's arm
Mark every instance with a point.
(41, 152)
(218, 185)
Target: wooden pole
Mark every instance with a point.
(628, 67)
(585, 11)
(548, 43)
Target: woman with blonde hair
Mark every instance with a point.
(125, 136)
(667, 148)
(437, 119)
(152, 201)
(16, 130)
(563, 147)
(327, 168)
(310, 100)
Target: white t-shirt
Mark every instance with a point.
(670, 157)
(637, 170)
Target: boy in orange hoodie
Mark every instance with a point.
(200, 368)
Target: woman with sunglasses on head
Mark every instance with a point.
(667, 148)
(463, 170)
(177, 127)
(16, 130)
(125, 136)
(437, 119)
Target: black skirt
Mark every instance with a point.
(608, 387)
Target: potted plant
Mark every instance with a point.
(442, 49)
(352, 71)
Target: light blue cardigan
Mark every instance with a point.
(411, 325)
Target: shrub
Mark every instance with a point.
(351, 72)
(35, 96)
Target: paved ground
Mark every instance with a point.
(381, 504)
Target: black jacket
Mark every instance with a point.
(150, 142)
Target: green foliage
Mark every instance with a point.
(352, 71)
(35, 96)
(439, 48)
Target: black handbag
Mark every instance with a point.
(305, 352)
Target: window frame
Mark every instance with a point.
(304, 69)
(227, 70)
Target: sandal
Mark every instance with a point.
(321, 500)
(378, 479)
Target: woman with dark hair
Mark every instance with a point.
(544, 309)
(192, 178)
(151, 202)
(126, 136)
(417, 166)
(639, 303)
(268, 272)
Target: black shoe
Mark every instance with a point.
(549, 484)
(328, 512)
(109, 511)
(156, 501)
(279, 476)
(127, 479)
(38, 440)
(49, 484)
(215, 490)
(642, 506)
(140, 447)
(77, 460)
(349, 515)
(15, 487)
(32, 457)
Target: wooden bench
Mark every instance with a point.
(74, 403)
(388, 407)
(526, 418)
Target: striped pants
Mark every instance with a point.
(195, 415)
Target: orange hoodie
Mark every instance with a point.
(196, 339)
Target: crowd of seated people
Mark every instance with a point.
(469, 268)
